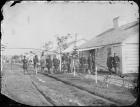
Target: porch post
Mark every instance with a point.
(96, 78)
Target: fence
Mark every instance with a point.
(108, 77)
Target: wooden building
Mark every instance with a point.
(122, 40)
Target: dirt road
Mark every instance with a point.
(39, 90)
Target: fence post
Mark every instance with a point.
(60, 62)
(96, 78)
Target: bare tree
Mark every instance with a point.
(62, 45)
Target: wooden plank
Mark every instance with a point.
(130, 64)
(132, 52)
(132, 60)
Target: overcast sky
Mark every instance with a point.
(31, 24)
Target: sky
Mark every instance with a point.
(31, 24)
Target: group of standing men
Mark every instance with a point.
(46, 62)
(51, 65)
(87, 64)
(113, 62)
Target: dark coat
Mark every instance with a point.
(55, 62)
(116, 61)
(35, 60)
(25, 63)
(110, 62)
(48, 63)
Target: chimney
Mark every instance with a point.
(115, 22)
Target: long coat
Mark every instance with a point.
(48, 63)
(43, 61)
(116, 61)
(56, 62)
(25, 63)
(110, 62)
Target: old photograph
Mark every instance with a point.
(70, 53)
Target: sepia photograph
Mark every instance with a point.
(70, 53)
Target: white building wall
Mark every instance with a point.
(131, 53)
(131, 58)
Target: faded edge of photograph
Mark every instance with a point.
(69, 53)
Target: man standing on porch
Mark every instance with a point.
(110, 62)
(116, 63)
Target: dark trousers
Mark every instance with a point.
(68, 67)
(42, 69)
(109, 69)
(55, 69)
(49, 68)
(116, 68)
(34, 65)
(25, 70)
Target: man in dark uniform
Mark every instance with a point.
(116, 62)
(35, 62)
(68, 64)
(55, 64)
(90, 63)
(25, 64)
(49, 63)
(110, 63)
(81, 63)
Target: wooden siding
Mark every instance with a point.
(84, 53)
(131, 58)
(134, 38)
(101, 56)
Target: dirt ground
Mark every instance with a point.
(39, 90)
(19, 88)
